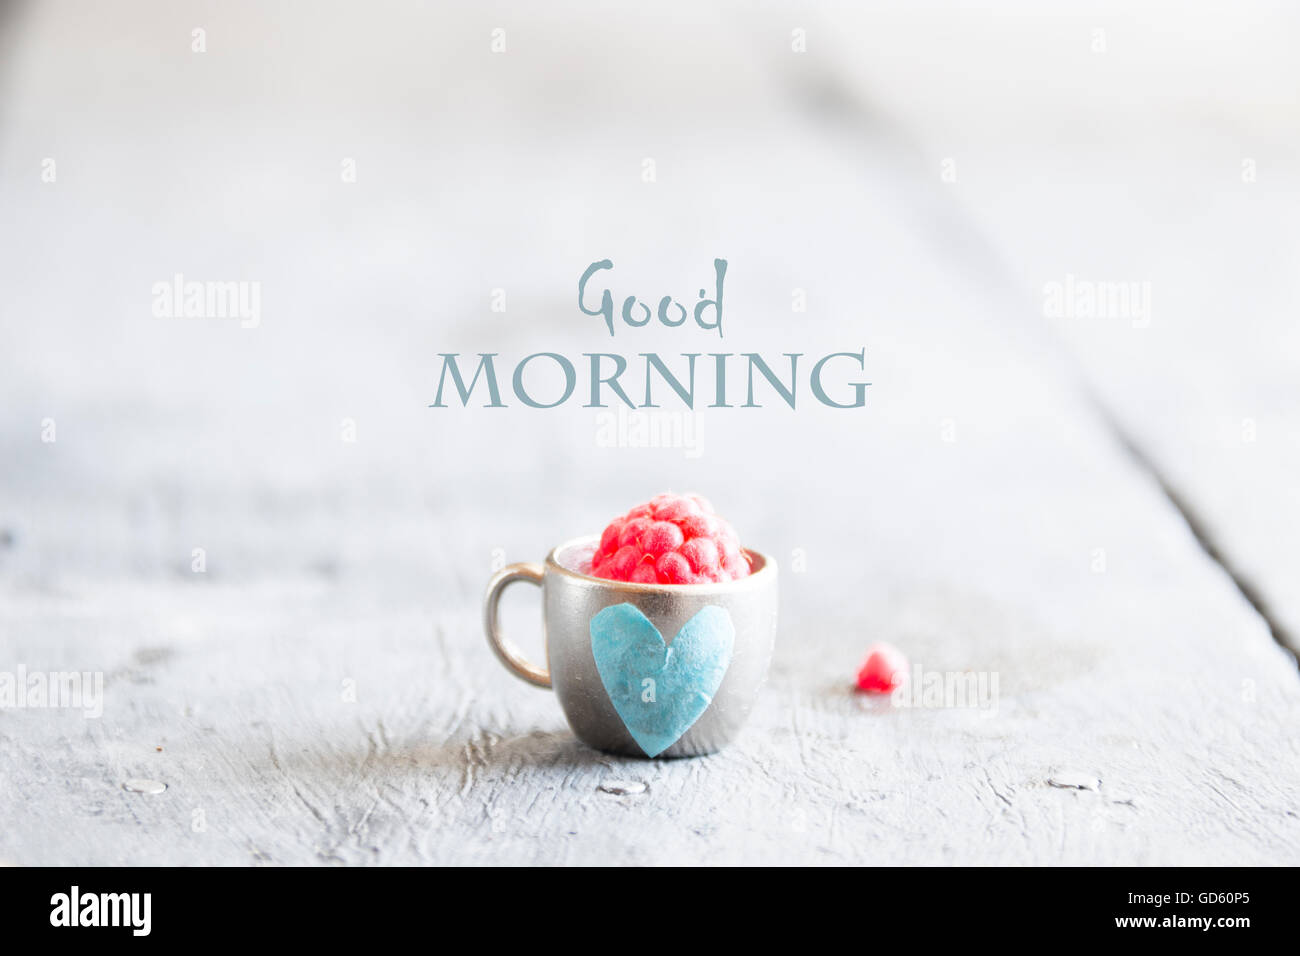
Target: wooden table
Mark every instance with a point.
(1074, 505)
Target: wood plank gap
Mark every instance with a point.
(1199, 528)
(834, 97)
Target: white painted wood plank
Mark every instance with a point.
(1162, 162)
(332, 562)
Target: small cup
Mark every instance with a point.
(651, 670)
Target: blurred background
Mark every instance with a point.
(918, 173)
(920, 180)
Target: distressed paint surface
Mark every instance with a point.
(322, 693)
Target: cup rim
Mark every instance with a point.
(756, 578)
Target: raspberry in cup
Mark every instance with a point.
(671, 539)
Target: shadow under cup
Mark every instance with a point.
(571, 598)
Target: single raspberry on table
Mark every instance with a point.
(671, 539)
(884, 669)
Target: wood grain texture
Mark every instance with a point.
(323, 694)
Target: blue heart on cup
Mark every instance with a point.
(658, 689)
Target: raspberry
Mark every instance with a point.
(662, 537)
(700, 553)
(671, 539)
(883, 670)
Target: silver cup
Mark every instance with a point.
(585, 616)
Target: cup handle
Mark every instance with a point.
(505, 648)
